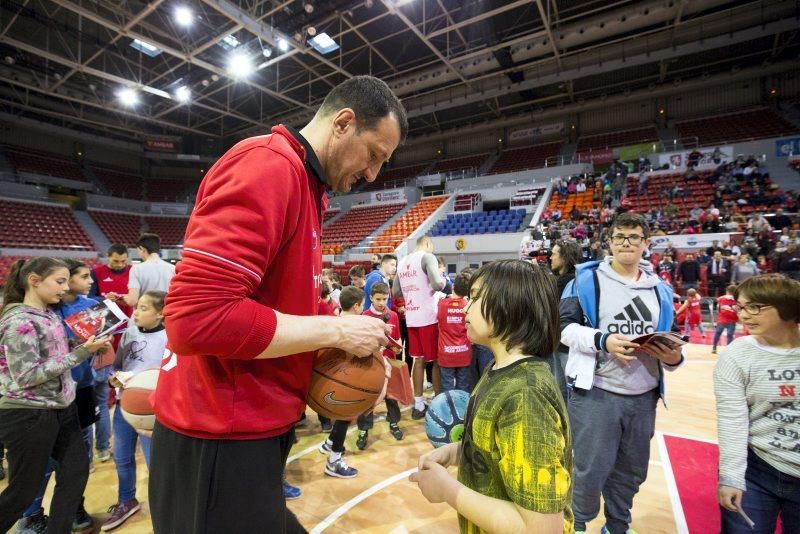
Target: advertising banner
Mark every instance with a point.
(787, 147)
(161, 144)
(388, 196)
(429, 180)
(634, 152)
(605, 155)
(693, 241)
(537, 131)
(678, 160)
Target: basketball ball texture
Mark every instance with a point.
(135, 404)
(344, 386)
(444, 420)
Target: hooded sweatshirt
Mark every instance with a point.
(35, 361)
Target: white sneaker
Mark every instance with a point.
(427, 385)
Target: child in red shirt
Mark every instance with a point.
(455, 349)
(692, 308)
(726, 320)
(379, 295)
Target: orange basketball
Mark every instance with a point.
(135, 403)
(344, 386)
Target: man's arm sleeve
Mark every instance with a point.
(242, 218)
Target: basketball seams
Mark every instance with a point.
(356, 388)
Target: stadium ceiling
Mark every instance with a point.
(224, 69)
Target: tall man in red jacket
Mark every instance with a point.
(241, 314)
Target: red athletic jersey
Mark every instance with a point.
(394, 321)
(252, 247)
(693, 315)
(726, 312)
(109, 281)
(455, 349)
(325, 308)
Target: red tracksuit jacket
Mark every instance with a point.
(252, 246)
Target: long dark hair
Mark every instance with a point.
(73, 265)
(17, 280)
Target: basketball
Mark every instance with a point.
(135, 403)
(444, 420)
(344, 386)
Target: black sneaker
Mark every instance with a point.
(418, 414)
(327, 426)
(396, 432)
(361, 442)
(34, 524)
(82, 521)
(713, 350)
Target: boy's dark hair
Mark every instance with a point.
(324, 292)
(150, 242)
(379, 289)
(14, 291)
(356, 270)
(388, 257)
(774, 289)
(461, 285)
(117, 248)
(519, 301)
(157, 298)
(570, 252)
(630, 220)
(370, 99)
(350, 296)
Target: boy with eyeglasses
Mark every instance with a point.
(612, 404)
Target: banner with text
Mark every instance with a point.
(787, 147)
(537, 131)
(693, 241)
(161, 144)
(429, 180)
(678, 160)
(388, 196)
(605, 155)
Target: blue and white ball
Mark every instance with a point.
(444, 420)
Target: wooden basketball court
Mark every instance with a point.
(381, 500)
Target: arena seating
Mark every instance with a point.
(7, 261)
(466, 202)
(617, 138)
(389, 178)
(41, 226)
(391, 238)
(519, 159)
(167, 190)
(527, 196)
(352, 227)
(119, 182)
(582, 201)
(40, 162)
(483, 222)
(469, 162)
(117, 226)
(171, 229)
(751, 124)
(330, 213)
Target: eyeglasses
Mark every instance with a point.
(633, 239)
(751, 309)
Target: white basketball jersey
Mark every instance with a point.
(417, 291)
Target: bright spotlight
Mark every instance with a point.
(128, 97)
(183, 94)
(240, 65)
(283, 45)
(184, 16)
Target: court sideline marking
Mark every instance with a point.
(343, 509)
(672, 487)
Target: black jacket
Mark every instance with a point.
(689, 271)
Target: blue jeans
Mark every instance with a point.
(125, 438)
(456, 378)
(721, 327)
(103, 425)
(770, 493)
(482, 358)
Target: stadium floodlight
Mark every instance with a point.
(183, 94)
(240, 65)
(183, 16)
(323, 43)
(128, 97)
(283, 45)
